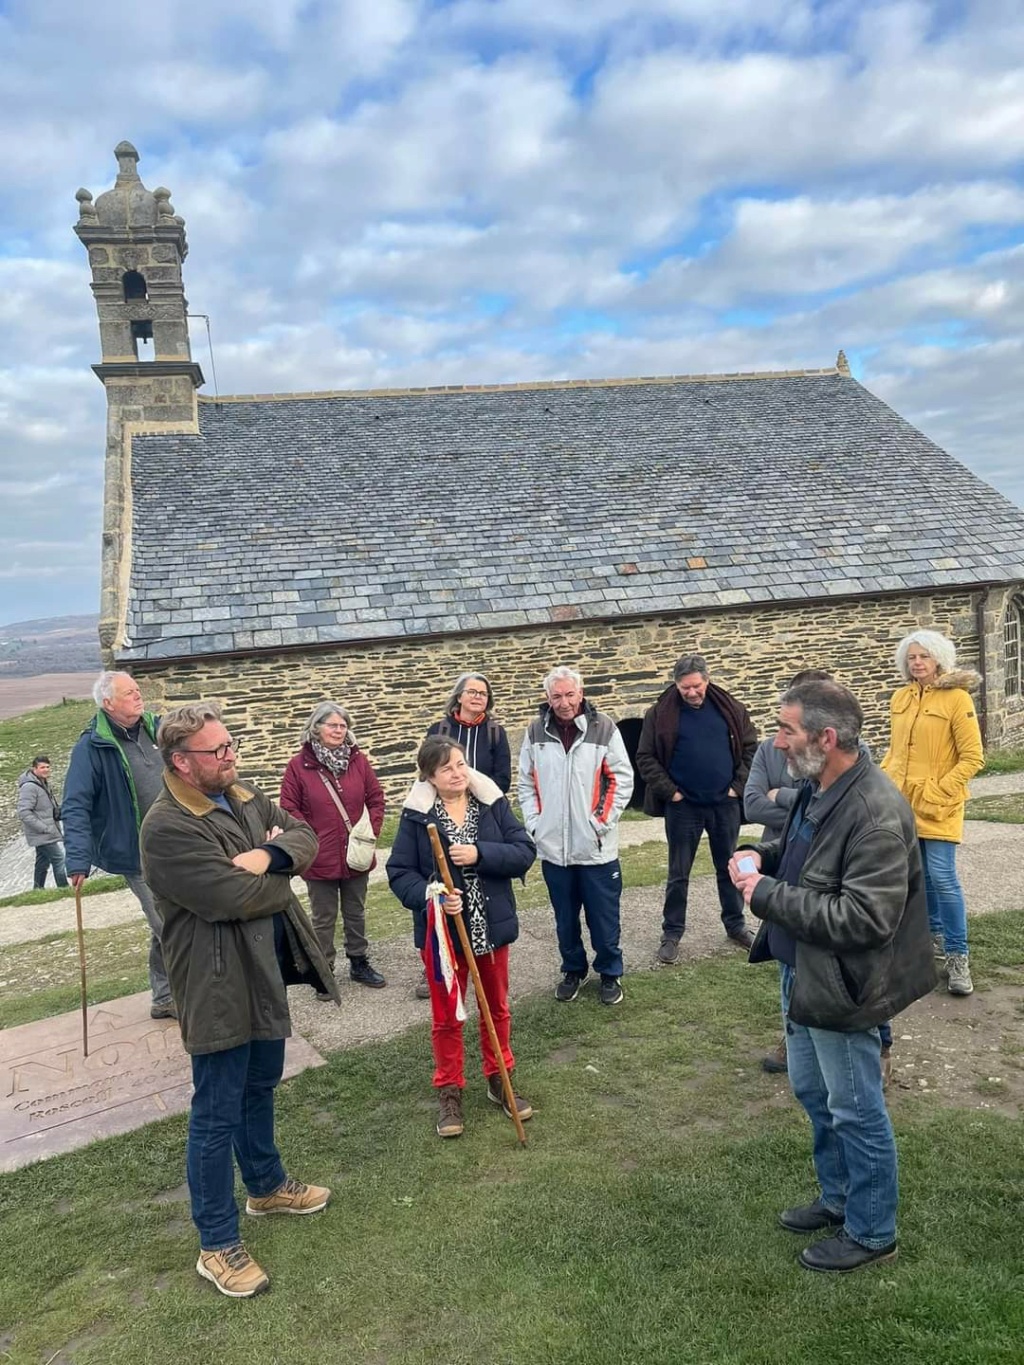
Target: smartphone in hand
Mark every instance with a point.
(746, 865)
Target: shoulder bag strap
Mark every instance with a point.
(335, 798)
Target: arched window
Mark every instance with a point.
(1013, 658)
(134, 286)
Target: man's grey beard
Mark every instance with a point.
(808, 764)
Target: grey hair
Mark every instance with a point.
(561, 674)
(827, 705)
(103, 687)
(311, 730)
(690, 663)
(459, 688)
(181, 724)
(943, 651)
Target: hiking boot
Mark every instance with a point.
(422, 991)
(938, 947)
(292, 1197)
(496, 1094)
(233, 1271)
(809, 1218)
(569, 986)
(842, 1253)
(958, 968)
(611, 990)
(449, 1114)
(742, 937)
(668, 950)
(775, 1061)
(163, 1009)
(359, 969)
(886, 1067)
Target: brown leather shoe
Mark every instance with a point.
(496, 1094)
(292, 1197)
(233, 1271)
(449, 1115)
(743, 938)
(775, 1061)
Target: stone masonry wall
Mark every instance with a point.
(394, 691)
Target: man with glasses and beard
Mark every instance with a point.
(841, 896)
(218, 855)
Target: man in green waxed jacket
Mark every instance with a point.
(219, 856)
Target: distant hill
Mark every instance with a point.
(58, 644)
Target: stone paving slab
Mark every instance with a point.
(54, 1100)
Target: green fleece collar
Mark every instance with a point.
(197, 802)
(104, 729)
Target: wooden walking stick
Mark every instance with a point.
(478, 985)
(81, 963)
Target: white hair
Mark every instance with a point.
(324, 711)
(103, 687)
(943, 651)
(561, 674)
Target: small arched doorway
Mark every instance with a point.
(630, 729)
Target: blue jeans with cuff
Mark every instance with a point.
(232, 1112)
(837, 1077)
(947, 909)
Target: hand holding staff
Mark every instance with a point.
(478, 986)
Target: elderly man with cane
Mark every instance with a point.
(219, 855)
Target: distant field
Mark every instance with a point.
(18, 695)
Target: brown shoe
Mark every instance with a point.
(496, 1094)
(292, 1197)
(422, 991)
(233, 1271)
(742, 937)
(775, 1062)
(449, 1115)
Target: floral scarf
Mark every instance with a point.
(335, 761)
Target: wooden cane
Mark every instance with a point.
(478, 985)
(81, 963)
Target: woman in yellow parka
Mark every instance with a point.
(934, 750)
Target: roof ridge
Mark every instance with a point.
(524, 386)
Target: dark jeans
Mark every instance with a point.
(685, 822)
(47, 856)
(597, 890)
(232, 1110)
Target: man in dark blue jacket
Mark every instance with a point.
(115, 775)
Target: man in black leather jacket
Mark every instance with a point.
(841, 897)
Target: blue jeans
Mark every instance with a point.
(597, 890)
(837, 1077)
(47, 856)
(947, 909)
(232, 1110)
(685, 822)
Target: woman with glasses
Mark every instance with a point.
(329, 783)
(469, 722)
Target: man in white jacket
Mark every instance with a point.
(575, 780)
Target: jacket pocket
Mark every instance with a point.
(218, 953)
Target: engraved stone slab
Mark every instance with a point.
(53, 1100)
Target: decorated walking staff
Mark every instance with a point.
(478, 986)
(81, 963)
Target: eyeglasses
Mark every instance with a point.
(335, 725)
(473, 692)
(220, 753)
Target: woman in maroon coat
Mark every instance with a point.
(330, 764)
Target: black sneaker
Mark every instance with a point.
(359, 969)
(569, 986)
(611, 990)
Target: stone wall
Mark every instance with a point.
(396, 690)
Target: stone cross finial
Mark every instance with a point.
(86, 208)
(843, 365)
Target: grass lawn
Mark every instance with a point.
(95, 886)
(1002, 761)
(638, 1225)
(1007, 810)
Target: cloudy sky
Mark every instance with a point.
(391, 192)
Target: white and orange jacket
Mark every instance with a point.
(571, 802)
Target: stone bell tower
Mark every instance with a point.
(136, 245)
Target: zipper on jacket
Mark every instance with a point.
(218, 953)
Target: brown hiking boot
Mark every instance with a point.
(233, 1271)
(449, 1115)
(292, 1197)
(422, 991)
(496, 1094)
(775, 1061)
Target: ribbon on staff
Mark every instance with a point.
(442, 951)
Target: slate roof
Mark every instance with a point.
(314, 519)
